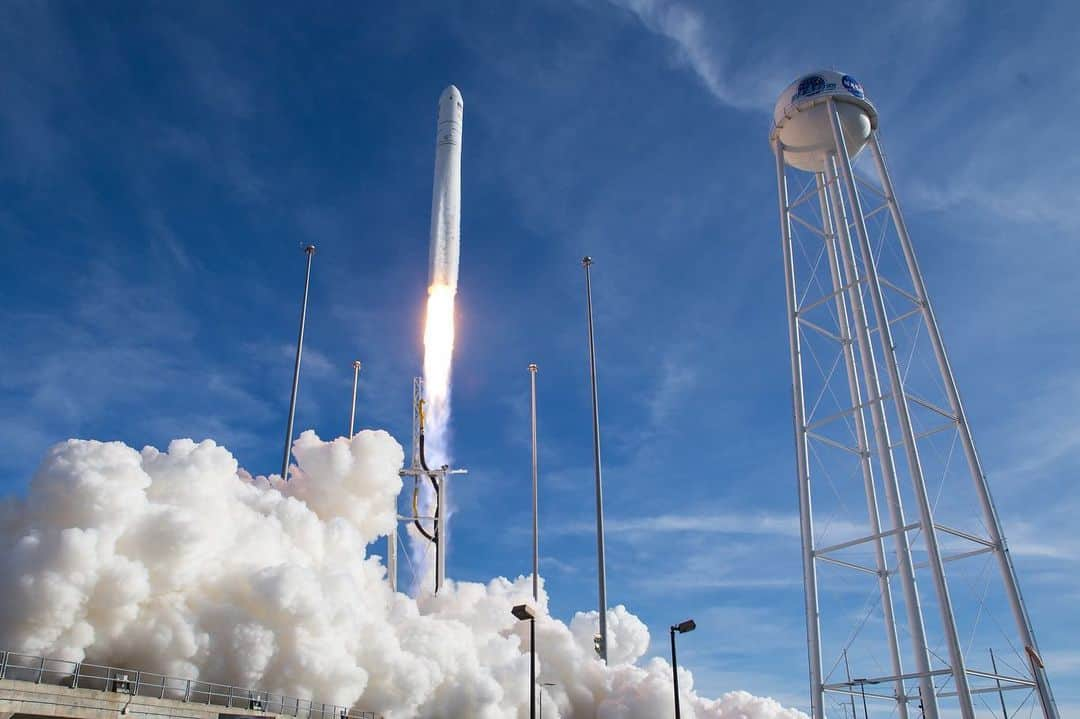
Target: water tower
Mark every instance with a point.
(912, 602)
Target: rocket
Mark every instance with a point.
(446, 192)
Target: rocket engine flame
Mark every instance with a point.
(438, 358)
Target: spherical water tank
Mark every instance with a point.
(801, 119)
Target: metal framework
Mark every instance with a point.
(438, 475)
(861, 400)
(135, 682)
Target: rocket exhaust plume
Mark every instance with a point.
(438, 356)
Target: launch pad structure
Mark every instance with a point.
(419, 472)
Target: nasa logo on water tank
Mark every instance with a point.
(812, 85)
(852, 85)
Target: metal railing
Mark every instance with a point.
(134, 682)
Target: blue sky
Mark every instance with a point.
(162, 166)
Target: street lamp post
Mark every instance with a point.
(681, 628)
(535, 481)
(524, 612)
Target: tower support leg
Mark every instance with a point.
(989, 511)
(802, 469)
(862, 443)
(883, 443)
(937, 570)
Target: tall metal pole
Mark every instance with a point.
(802, 465)
(310, 252)
(532, 668)
(675, 675)
(982, 488)
(355, 381)
(601, 574)
(883, 443)
(440, 532)
(863, 445)
(922, 499)
(535, 482)
(391, 553)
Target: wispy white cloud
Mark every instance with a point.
(120, 349)
(1063, 661)
(678, 377)
(1007, 160)
(1047, 534)
(553, 563)
(772, 630)
(705, 581)
(314, 361)
(719, 523)
(697, 44)
(39, 72)
(163, 237)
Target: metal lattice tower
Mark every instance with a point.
(912, 601)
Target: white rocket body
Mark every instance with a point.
(446, 192)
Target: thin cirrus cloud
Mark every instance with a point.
(695, 42)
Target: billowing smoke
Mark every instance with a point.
(182, 563)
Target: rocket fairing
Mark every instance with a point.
(446, 192)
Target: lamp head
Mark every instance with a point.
(523, 612)
(688, 626)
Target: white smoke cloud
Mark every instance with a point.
(180, 562)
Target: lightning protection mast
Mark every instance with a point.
(879, 423)
(310, 252)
